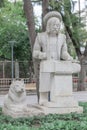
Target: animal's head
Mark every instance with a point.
(18, 86)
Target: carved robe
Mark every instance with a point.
(46, 50)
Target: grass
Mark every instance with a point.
(71, 121)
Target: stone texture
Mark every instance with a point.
(61, 110)
(55, 74)
(17, 111)
(15, 99)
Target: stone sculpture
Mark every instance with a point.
(16, 97)
(56, 67)
(16, 94)
(15, 103)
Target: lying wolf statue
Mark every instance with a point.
(15, 103)
(15, 100)
(16, 94)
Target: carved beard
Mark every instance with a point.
(50, 30)
(53, 26)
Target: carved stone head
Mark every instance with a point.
(53, 26)
(52, 21)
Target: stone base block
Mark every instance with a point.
(38, 110)
(16, 111)
(63, 101)
(60, 110)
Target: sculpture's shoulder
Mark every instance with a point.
(61, 35)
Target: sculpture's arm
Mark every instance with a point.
(37, 53)
(64, 53)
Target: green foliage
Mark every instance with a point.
(71, 121)
(1, 3)
(13, 28)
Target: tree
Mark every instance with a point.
(28, 8)
(1, 3)
(30, 21)
(13, 27)
(45, 4)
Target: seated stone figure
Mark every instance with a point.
(15, 104)
(16, 97)
(50, 47)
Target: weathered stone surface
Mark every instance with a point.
(15, 102)
(61, 110)
(55, 74)
(17, 111)
(16, 97)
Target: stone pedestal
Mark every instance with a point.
(26, 110)
(61, 99)
(54, 76)
(60, 110)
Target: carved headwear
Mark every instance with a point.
(50, 15)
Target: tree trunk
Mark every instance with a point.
(45, 4)
(32, 34)
(37, 63)
(28, 8)
(82, 74)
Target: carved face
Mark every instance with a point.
(53, 26)
(18, 86)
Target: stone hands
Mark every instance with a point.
(75, 61)
(42, 56)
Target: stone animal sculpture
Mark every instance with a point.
(16, 96)
(15, 103)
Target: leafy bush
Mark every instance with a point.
(71, 121)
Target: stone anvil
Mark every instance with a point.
(61, 98)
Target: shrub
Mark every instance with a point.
(71, 121)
